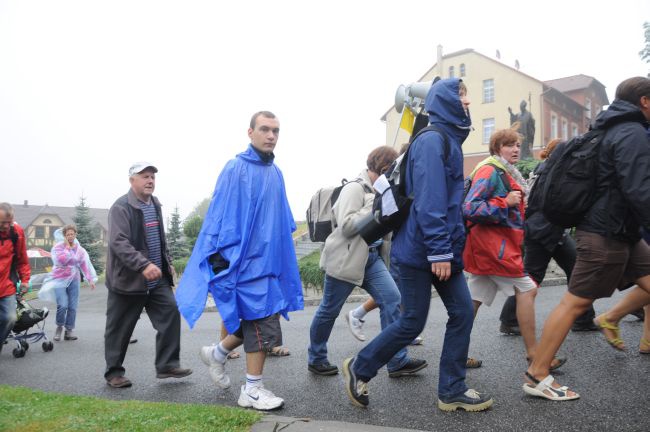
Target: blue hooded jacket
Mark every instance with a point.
(249, 223)
(434, 230)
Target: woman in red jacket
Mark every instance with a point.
(494, 213)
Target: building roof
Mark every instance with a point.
(578, 82)
(25, 214)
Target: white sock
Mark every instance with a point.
(253, 381)
(219, 353)
(359, 312)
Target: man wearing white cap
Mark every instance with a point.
(139, 275)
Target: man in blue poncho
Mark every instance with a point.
(245, 257)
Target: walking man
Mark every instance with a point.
(245, 257)
(14, 268)
(428, 250)
(139, 275)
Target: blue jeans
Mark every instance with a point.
(7, 316)
(67, 300)
(415, 285)
(380, 285)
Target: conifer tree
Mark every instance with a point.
(175, 243)
(87, 235)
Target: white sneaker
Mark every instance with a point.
(356, 326)
(217, 370)
(259, 398)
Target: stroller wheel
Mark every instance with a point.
(19, 352)
(48, 346)
(24, 345)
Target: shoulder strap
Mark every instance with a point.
(432, 128)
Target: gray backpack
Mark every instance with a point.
(319, 212)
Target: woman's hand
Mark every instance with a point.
(441, 270)
(513, 198)
(92, 285)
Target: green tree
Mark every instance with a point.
(175, 241)
(200, 209)
(191, 229)
(645, 52)
(87, 234)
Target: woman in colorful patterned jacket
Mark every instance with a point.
(62, 286)
(494, 213)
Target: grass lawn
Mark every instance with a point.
(26, 410)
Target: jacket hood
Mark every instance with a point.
(445, 108)
(250, 155)
(619, 111)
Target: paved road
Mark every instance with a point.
(613, 385)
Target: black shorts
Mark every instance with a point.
(260, 335)
(604, 265)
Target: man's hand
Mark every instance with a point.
(152, 272)
(513, 199)
(441, 270)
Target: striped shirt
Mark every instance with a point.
(152, 231)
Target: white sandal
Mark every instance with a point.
(540, 389)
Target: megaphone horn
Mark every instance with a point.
(405, 95)
(400, 98)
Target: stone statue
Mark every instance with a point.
(526, 129)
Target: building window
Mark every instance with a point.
(565, 129)
(554, 126)
(462, 69)
(588, 108)
(574, 130)
(451, 71)
(488, 91)
(47, 221)
(39, 232)
(488, 129)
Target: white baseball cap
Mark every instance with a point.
(138, 167)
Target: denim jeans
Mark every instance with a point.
(7, 316)
(380, 285)
(67, 300)
(415, 285)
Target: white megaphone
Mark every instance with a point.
(412, 95)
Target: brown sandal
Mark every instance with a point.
(279, 352)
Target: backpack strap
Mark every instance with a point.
(13, 272)
(502, 176)
(402, 172)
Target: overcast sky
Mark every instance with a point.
(88, 87)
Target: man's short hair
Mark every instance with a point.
(7, 208)
(503, 137)
(267, 114)
(632, 89)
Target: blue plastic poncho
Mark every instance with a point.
(249, 223)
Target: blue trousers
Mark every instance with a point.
(67, 300)
(7, 316)
(415, 285)
(380, 285)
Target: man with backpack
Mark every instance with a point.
(611, 253)
(428, 249)
(14, 268)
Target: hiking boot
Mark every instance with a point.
(119, 382)
(69, 335)
(259, 398)
(410, 368)
(471, 400)
(217, 369)
(356, 389)
(509, 330)
(174, 373)
(417, 341)
(57, 333)
(323, 369)
(356, 326)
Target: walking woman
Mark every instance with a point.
(62, 286)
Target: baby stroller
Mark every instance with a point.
(23, 333)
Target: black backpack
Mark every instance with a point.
(565, 188)
(376, 225)
(14, 277)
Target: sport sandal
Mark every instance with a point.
(616, 342)
(545, 389)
